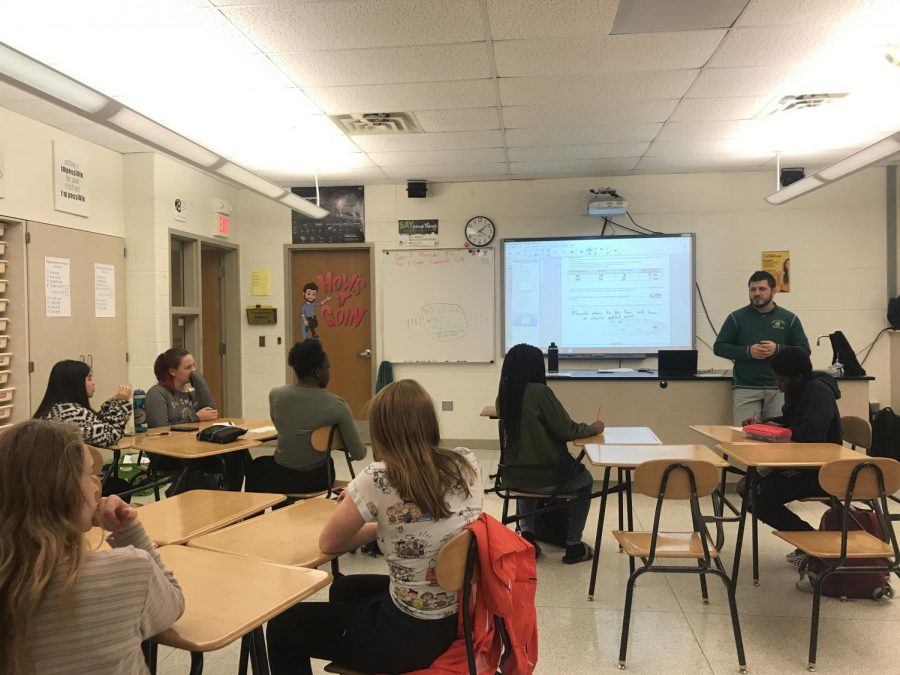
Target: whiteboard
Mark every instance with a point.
(438, 305)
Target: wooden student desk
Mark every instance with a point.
(757, 455)
(176, 519)
(629, 457)
(288, 536)
(227, 597)
(722, 433)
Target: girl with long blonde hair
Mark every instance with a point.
(413, 499)
(62, 605)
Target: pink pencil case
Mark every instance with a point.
(767, 432)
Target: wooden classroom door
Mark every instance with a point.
(345, 320)
(95, 329)
(211, 300)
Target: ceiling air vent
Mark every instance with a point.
(365, 124)
(800, 102)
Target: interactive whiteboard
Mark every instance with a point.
(438, 305)
(596, 296)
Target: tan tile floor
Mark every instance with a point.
(671, 630)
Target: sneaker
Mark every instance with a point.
(796, 557)
(530, 538)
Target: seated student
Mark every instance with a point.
(64, 608)
(414, 499)
(810, 411)
(181, 396)
(534, 429)
(296, 411)
(69, 388)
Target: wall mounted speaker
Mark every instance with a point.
(416, 189)
(789, 176)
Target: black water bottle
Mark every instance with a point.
(552, 358)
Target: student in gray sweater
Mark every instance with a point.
(297, 410)
(181, 395)
(65, 608)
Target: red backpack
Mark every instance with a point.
(870, 585)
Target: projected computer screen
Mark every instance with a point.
(600, 295)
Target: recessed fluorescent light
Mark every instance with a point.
(25, 70)
(303, 206)
(795, 190)
(859, 160)
(166, 139)
(249, 179)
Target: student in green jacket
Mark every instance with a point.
(534, 430)
(750, 337)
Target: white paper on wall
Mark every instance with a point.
(104, 290)
(70, 181)
(57, 286)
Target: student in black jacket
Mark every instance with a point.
(810, 411)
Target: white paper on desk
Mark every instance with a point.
(260, 430)
(616, 370)
(737, 429)
(630, 436)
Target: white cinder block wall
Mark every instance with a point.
(836, 237)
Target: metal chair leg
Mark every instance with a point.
(626, 618)
(620, 480)
(703, 590)
(814, 628)
(245, 655)
(735, 621)
(600, 517)
(196, 663)
(258, 648)
(335, 567)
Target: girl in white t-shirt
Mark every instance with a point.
(413, 500)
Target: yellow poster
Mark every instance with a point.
(260, 282)
(778, 264)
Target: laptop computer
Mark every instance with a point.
(677, 362)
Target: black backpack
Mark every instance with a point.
(885, 434)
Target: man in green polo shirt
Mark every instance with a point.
(750, 337)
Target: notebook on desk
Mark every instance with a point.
(677, 362)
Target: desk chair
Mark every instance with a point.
(327, 439)
(690, 480)
(868, 480)
(456, 570)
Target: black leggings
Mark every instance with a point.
(360, 628)
(779, 487)
(266, 475)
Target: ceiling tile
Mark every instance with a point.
(595, 87)
(405, 97)
(523, 58)
(699, 163)
(519, 19)
(429, 63)
(563, 152)
(345, 177)
(569, 168)
(434, 141)
(658, 16)
(687, 148)
(772, 45)
(699, 109)
(448, 172)
(700, 131)
(610, 133)
(431, 157)
(289, 27)
(467, 119)
(609, 112)
(749, 81)
(780, 13)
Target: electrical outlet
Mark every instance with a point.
(447, 406)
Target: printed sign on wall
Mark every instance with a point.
(70, 180)
(57, 286)
(104, 290)
(418, 233)
(778, 264)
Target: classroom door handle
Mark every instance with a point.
(365, 353)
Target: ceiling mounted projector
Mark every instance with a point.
(606, 202)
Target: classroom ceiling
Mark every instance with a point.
(499, 89)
